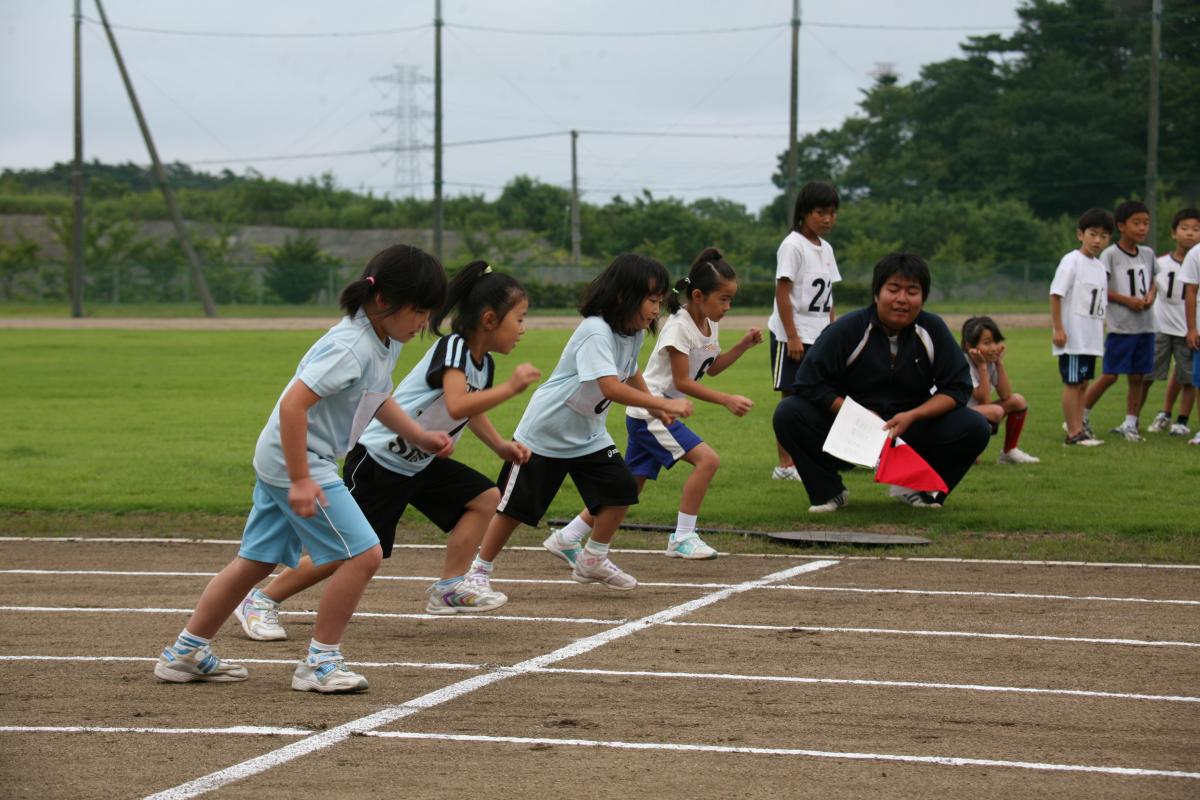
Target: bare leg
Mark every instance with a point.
(1096, 391)
(223, 593)
(341, 596)
(705, 463)
(1134, 397)
(1072, 402)
(498, 531)
(291, 582)
(468, 532)
(1187, 397)
(1173, 391)
(607, 522)
(587, 516)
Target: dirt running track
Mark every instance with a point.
(751, 677)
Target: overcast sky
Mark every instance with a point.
(244, 98)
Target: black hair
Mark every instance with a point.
(474, 290)
(1095, 218)
(401, 275)
(813, 195)
(617, 293)
(973, 329)
(708, 272)
(1184, 213)
(1128, 209)
(906, 265)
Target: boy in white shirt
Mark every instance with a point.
(1170, 326)
(1189, 274)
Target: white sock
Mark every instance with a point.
(1130, 421)
(1087, 412)
(320, 647)
(479, 565)
(685, 526)
(575, 530)
(596, 549)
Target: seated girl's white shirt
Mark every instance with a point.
(993, 377)
(681, 334)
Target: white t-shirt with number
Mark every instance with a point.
(812, 270)
(679, 333)
(1129, 274)
(1168, 304)
(1190, 271)
(1082, 283)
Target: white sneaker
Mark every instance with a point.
(326, 673)
(1130, 432)
(693, 548)
(1083, 439)
(1017, 456)
(177, 665)
(260, 618)
(1161, 422)
(1179, 429)
(832, 504)
(566, 550)
(1195, 439)
(785, 474)
(590, 569)
(467, 597)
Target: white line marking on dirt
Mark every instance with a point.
(363, 614)
(947, 761)
(658, 584)
(241, 730)
(709, 676)
(386, 716)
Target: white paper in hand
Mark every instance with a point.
(857, 435)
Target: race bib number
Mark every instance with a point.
(588, 400)
(817, 297)
(1090, 300)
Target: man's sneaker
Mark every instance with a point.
(1082, 439)
(832, 504)
(692, 548)
(1162, 421)
(914, 499)
(1179, 429)
(468, 596)
(1130, 432)
(1017, 456)
(589, 569)
(785, 474)
(177, 665)
(260, 618)
(326, 673)
(556, 544)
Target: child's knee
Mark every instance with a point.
(1015, 402)
(369, 560)
(486, 502)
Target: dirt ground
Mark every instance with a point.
(829, 687)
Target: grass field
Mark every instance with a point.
(154, 431)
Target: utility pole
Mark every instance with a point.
(77, 179)
(439, 217)
(210, 309)
(1152, 127)
(576, 236)
(790, 178)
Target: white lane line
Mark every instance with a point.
(658, 584)
(658, 674)
(389, 715)
(946, 761)
(239, 730)
(362, 614)
(535, 549)
(905, 632)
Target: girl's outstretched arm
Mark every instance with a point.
(394, 417)
(508, 450)
(686, 383)
(753, 336)
(635, 393)
(463, 404)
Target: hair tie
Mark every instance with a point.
(674, 290)
(687, 280)
(487, 270)
(371, 279)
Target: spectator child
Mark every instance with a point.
(1170, 337)
(984, 345)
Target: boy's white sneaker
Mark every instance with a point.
(1083, 439)
(590, 569)
(467, 597)
(693, 548)
(559, 546)
(196, 664)
(260, 619)
(785, 474)
(326, 673)
(1179, 429)
(1162, 421)
(1017, 456)
(1130, 432)
(840, 500)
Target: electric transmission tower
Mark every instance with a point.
(404, 118)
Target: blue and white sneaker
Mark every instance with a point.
(468, 596)
(326, 672)
(179, 664)
(693, 548)
(566, 550)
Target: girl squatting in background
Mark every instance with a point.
(449, 389)
(687, 349)
(299, 501)
(984, 345)
(564, 423)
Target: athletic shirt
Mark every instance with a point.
(1082, 283)
(680, 333)
(351, 370)
(1131, 275)
(993, 378)
(812, 270)
(1168, 308)
(566, 415)
(1190, 271)
(422, 397)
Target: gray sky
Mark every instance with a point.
(225, 97)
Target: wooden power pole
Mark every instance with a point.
(790, 179)
(439, 214)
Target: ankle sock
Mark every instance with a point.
(479, 565)
(190, 641)
(1131, 421)
(259, 594)
(315, 647)
(575, 530)
(1182, 419)
(1087, 414)
(596, 549)
(445, 584)
(685, 526)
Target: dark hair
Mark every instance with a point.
(1184, 213)
(617, 292)
(1095, 218)
(906, 265)
(973, 329)
(1128, 209)
(813, 195)
(401, 275)
(474, 290)
(708, 272)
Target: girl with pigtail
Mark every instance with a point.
(299, 501)
(449, 389)
(686, 351)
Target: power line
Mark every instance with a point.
(244, 35)
(623, 34)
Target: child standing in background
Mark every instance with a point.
(687, 349)
(1170, 328)
(984, 345)
(804, 276)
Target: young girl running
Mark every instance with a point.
(687, 349)
(299, 502)
(564, 424)
(984, 345)
(449, 389)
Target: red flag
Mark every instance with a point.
(900, 465)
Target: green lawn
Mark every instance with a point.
(131, 430)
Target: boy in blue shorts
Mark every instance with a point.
(1170, 328)
(1189, 274)
(1078, 296)
(1129, 347)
